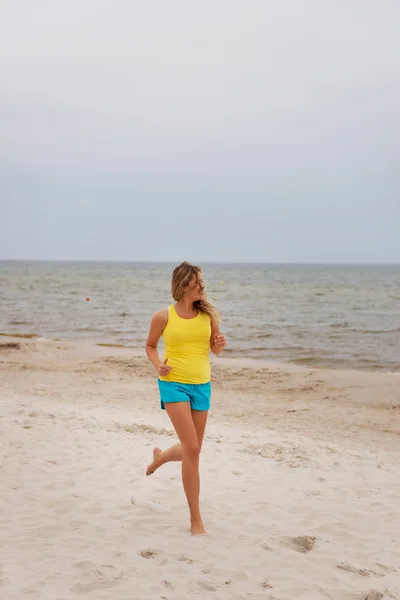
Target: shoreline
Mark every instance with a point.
(256, 362)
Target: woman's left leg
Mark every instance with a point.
(174, 453)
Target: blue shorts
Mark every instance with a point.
(198, 394)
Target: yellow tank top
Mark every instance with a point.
(187, 347)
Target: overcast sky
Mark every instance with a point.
(204, 130)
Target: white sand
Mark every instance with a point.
(300, 482)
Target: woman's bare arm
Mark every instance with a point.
(217, 340)
(157, 326)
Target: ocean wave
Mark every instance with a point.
(376, 331)
(286, 348)
(346, 325)
(362, 364)
(20, 335)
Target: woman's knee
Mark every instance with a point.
(192, 450)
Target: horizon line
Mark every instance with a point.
(209, 262)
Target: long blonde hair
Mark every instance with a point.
(181, 277)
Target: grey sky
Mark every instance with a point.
(205, 130)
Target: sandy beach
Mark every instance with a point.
(300, 481)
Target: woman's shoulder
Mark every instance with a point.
(161, 317)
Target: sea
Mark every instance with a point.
(336, 316)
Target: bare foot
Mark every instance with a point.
(197, 528)
(153, 466)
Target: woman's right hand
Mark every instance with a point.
(163, 368)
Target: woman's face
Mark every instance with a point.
(195, 288)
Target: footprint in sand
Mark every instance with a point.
(374, 595)
(208, 587)
(150, 554)
(385, 568)
(183, 558)
(370, 595)
(303, 543)
(96, 577)
(345, 566)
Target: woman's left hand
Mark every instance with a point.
(219, 342)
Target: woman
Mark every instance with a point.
(190, 328)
